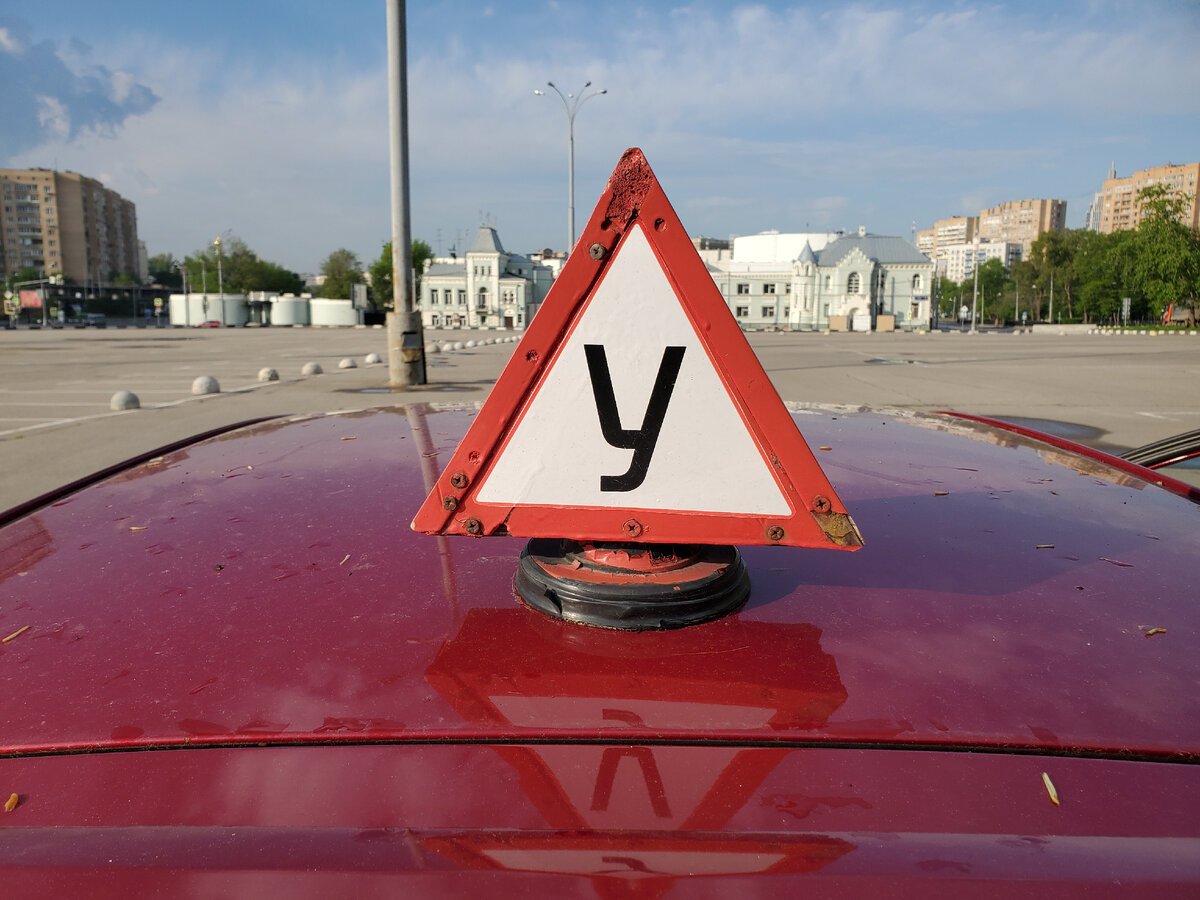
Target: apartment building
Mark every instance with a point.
(1016, 222)
(945, 233)
(65, 223)
(1118, 206)
(1022, 221)
(958, 261)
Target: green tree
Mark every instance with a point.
(342, 270)
(382, 294)
(1166, 253)
(162, 271)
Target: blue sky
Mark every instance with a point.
(270, 119)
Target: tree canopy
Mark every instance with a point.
(342, 270)
(241, 269)
(382, 294)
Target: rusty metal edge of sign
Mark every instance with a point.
(819, 518)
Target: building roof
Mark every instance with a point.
(807, 255)
(877, 247)
(440, 268)
(486, 241)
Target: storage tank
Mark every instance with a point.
(333, 312)
(289, 310)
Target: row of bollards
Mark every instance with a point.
(206, 384)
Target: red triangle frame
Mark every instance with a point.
(818, 517)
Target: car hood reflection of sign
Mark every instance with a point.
(649, 811)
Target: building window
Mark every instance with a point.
(787, 288)
(916, 282)
(768, 312)
(852, 284)
(462, 297)
(768, 288)
(743, 311)
(743, 288)
(828, 282)
(482, 300)
(447, 296)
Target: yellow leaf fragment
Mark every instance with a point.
(151, 463)
(350, 438)
(824, 448)
(11, 803)
(16, 634)
(138, 527)
(344, 560)
(1154, 631)
(1044, 547)
(940, 493)
(1050, 788)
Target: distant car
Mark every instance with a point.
(96, 320)
(211, 323)
(230, 668)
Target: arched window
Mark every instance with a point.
(916, 282)
(852, 283)
(482, 302)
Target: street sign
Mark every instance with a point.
(634, 408)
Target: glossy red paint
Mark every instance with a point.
(633, 199)
(598, 821)
(358, 708)
(261, 587)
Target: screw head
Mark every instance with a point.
(458, 480)
(450, 503)
(473, 526)
(597, 251)
(821, 504)
(775, 533)
(632, 528)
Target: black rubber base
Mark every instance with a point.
(631, 599)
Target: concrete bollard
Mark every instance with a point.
(447, 347)
(432, 348)
(205, 384)
(373, 359)
(268, 374)
(124, 400)
(347, 363)
(471, 344)
(458, 345)
(312, 368)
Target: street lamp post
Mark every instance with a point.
(571, 104)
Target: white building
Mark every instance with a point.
(957, 261)
(802, 281)
(490, 288)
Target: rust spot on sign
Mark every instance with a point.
(630, 183)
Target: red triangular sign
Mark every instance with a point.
(634, 408)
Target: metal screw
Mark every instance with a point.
(449, 503)
(821, 503)
(473, 526)
(775, 533)
(632, 528)
(597, 251)
(458, 480)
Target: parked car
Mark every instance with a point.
(95, 320)
(209, 323)
(229, 667)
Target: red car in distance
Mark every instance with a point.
(231, 669)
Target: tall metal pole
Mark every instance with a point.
(405, 336)
(571, 104)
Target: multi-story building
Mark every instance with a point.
(944, 233)
(1120, 208)
(958, 261)
(819, 281)
(490, 288)
(1018, 221)
(1022, 221)
(65, 223)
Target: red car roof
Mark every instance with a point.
(263, 587)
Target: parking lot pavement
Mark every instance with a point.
(55, 386)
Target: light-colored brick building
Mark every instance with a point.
(65, 223)
(1118, 206)
(1022, 221)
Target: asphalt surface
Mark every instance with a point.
(1113, 392)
